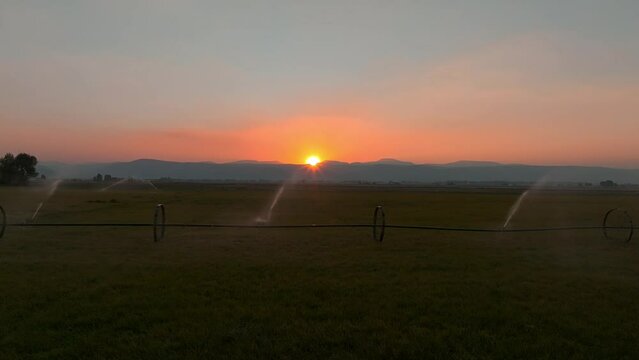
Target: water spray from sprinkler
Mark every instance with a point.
(114, 184)
(267, 218)
(52, 190)
(276, 199)
(513, 209)
(121, 181)
(517, 205)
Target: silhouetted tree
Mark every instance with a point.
(16, 170)
(7, 168)
(98, 178)
(608, 183)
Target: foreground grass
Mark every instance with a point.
(113, 293)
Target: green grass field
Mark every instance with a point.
(92, 293)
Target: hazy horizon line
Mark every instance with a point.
(277, 162)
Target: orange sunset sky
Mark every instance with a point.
(428, 82)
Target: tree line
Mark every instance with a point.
(17, 170)
(106, 178)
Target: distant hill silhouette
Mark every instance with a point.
(386, 162)
(468, 163)
(384, 170)
(254, 162)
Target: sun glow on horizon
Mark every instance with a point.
(313, 160)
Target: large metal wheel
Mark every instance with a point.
(159, 223)
(379, 223)
(617, 225)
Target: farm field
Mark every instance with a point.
(93, 293)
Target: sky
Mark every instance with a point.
(538, 82)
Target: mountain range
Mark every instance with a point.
(384, 170)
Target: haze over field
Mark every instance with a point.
(385, 170)
(543, 82)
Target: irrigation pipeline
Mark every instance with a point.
(378, 225)
(302, 226)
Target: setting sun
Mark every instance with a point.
(313, 160)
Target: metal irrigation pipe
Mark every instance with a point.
(188, 225)
(490, 230)
(300, 226)
(379, 217)
(379, 213)
(4, 222)
(159, 213)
